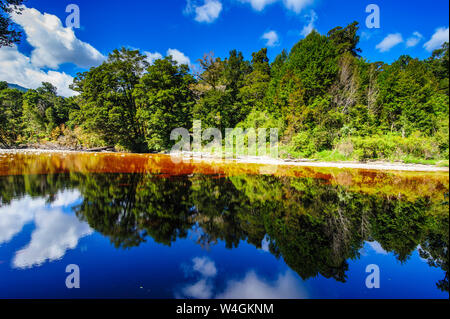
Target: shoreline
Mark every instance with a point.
(376, 165)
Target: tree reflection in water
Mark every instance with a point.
(316, 227)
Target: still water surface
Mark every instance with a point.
(140, 226)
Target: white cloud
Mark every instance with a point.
(271, 37)
(17, 68)
(389, 42)
(365, 36)
(297, 5)
(208, 12)
(202, 289)
(286, 286)
(66, 198)
(419, 249)
(179, 56)
(307, 29)
(438, 38)
(377, 248)
(16, 215)
(151, 57)
(53, 43)
(294, 5)
(265, 244)
(251, 287)
(414, 39)
(259, 5)
(55, 233)
(204, 266)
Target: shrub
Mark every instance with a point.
(392, 147)
(418, 146)
(345, 147)
(373, 147)
(303, 143)
(441, 138)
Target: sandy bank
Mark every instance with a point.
(378, 165)
(375, 165)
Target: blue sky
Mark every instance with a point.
(196, 27)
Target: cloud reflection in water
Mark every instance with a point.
(55, 231)
(251, 286)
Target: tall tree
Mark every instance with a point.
(439, 62)
(220, 106)
(10, 114)
(164, 101)
(108, 106)
(346, 39)
(252, 93)
(43, 110)
(408, 98)
(235, 70)
(8, 35)
(213, 69)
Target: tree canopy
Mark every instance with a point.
(8, 34)
(322, 95)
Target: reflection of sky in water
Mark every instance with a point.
(38, 240)
(251, 286)
(55, 231)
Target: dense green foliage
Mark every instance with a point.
(108, 107)
(8, 35)
(325, 99)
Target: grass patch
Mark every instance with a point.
(419, 161)
(331, 156)
(442, 163)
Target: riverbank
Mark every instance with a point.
(207, 157)
(372, 165)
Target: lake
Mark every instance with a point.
(142, 226)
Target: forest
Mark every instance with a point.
(326, 99)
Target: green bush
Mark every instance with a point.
(373, 147)
(418, 146)
(441, 138)
(303, 143)
(392, 147)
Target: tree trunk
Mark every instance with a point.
(3, 143)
